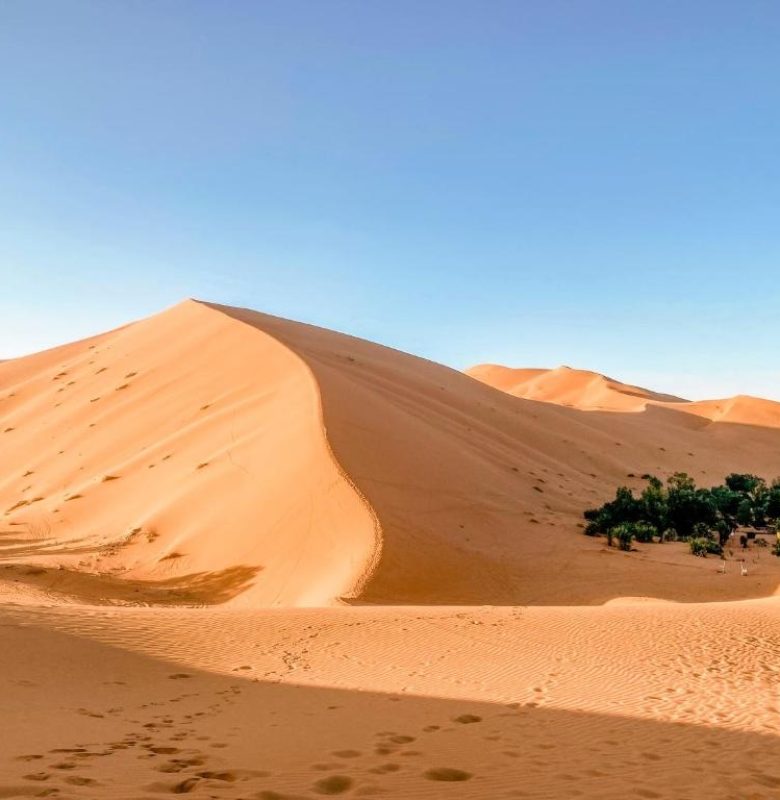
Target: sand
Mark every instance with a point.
(569, 387)
(243, 557)
(650, 700)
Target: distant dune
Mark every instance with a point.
(590, 391)
(211, 454)
(742, 410)
(568, 387)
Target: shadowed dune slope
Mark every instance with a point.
(178, 459)
(479, 493)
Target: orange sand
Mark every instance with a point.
(568, 387)
(172, 490)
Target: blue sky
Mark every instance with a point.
(532, 183)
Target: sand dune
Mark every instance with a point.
(590, 391)
(182, 459)
(172, 489)
(568, 387)
(211, 454)
(742, 410)
(479, 494)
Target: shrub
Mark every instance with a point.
(624, 534)
(669, 535)
(644, 532)
(701, 546)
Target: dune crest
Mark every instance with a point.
(212, 454)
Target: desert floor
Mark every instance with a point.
(631, 699)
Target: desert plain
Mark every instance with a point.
(242, 557)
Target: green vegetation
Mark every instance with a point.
(679, 510)
(701, 546)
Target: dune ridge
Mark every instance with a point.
(212, 454)
(479, 494)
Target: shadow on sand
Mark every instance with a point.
(197, 588)
(91, 719)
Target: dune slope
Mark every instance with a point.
(178, 459)
(209, 454)
(479, 493)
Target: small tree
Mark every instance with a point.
(772, 504)
(745, 512)
(655, 507)
(689, 505)
(744, 483)
(724, 530)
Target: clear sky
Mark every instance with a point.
(591, 182)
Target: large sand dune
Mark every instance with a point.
(164, 484)
(182, 459)
(212, 454)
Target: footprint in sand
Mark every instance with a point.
(384, 768)
(447, 774)
(79, 780)
(333, 784)
(185, 787)
(228, 777)
(401, 739)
